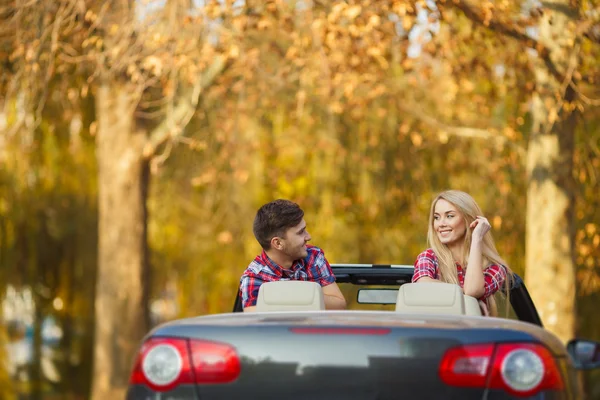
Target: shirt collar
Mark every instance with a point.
(276, 268)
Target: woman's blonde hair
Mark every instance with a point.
(447, 271)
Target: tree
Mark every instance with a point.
(145, 74)
(136, 65)
(360, 111)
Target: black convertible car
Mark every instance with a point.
(399, 340)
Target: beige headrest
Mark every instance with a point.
(472, 306)
(435, 298)
(290, 296)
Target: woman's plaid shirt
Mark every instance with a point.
(427, 265)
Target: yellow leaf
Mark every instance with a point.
(234, 51)
(291, 53)
(263, 24)
(404, 128)
(400, 8)
(336, 107)
(407, 22)
(590, 229)
(353, 11)
(374, 51)
(374, 20)
(207, 177)
(497, 222)
(416, 139)
(90, 16)
(242, 175)
(510, 133)
(225, 237)
(337, 8)
(153, 64)
(94, 128)
(552, 115)
(443, 137)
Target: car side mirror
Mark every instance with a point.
(585, 353)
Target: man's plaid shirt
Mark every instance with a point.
(427, 265)
(314, 267)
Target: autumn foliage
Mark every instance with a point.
(361, 111)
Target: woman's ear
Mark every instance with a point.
(471, 222)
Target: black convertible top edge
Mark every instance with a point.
(369, 266)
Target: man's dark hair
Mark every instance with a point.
(274, 218)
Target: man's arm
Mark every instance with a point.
(334, 299)
(249, 291)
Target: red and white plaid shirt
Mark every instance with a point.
(314, 267)
(427, 265)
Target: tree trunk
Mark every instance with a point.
(121, 285)
(550, 270)
(7, 391)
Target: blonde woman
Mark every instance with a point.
(462, 250)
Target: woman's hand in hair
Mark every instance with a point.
(480, 227)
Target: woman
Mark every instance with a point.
(462, 250)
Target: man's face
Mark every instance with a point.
(294, 242)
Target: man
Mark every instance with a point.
(280, 229)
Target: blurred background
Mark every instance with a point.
(138, 138)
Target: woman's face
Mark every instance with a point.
(448, 223)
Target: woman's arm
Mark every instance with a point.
(474, 284)
(425, 267)
(427, 279)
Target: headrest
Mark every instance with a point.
(435, 298)
(472, 306)
(290, 296)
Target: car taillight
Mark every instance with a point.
(165, 363)
(521, 369)
(214, 362)
(466, 366)
(525, 369)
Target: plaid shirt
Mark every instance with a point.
(314, 267)
(427, 265)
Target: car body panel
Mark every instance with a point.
(370, 318)
(402, 353)
(356, 354)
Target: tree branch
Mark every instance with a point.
(177, 120)
(561, 8)
(591, 31)
(464, 131)
(513, 31)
